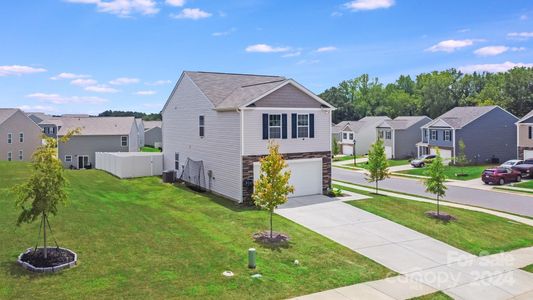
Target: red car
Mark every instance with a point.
(500, 176)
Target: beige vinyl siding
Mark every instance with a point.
(288, 96)
(219, 149)
(16, 124)
(253, 143)
(523, 135)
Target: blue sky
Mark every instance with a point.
(86, 56)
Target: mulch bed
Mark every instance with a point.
(278, 239)
(441, 216)
(55, 257)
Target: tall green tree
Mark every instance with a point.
(272, 188)
(378, 166)
(461, 158)
(435, 179)
(44, 191)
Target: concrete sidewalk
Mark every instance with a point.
(426, 264)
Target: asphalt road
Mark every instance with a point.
(502, 201)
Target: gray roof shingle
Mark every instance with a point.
(402, 122)
(93, 125)
(529, 115)
(6, 113)
(151, 124)
(460, 116)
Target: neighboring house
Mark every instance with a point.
(524, 129)
(363, 132)
(98, 134)
(37, 117)
(488, 132)
(153, 135)
(19, 135)
(401, 135)
(140, 131)
(226, 121)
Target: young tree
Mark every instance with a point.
(272, 188)
(335, 146)
(378, 167)
(436, 178)
(461, 159)
(45, 189)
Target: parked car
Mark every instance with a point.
(511, 163)
(500, 176)
(525, 168)
(423, 160)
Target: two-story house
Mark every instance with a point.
(97, 134)
(524, 129)
(488, 132)
(152, 133)
(19, 135)
(227, 120)
(361, 134)
(401, 135)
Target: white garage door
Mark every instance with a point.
(388, 152)
(528, 154)
(444, 153)
(306, 176)
(347, 149)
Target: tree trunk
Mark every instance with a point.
(44, 236)
(271, 212)
(376, 187)
(438, 208)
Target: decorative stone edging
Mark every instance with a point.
(32, 268)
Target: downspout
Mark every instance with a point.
(453, 141)
(393, 154)
(241, 113)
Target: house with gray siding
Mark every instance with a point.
(153, 136)
(225, 122)
(20, 136)
(361, 134)
(524, 135)
(97, 134)
(401, 135)
(488, 132)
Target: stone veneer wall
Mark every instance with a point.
(521, 151)
(248, 170)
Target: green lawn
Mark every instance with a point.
(149, 149)
(434, 296)
(143, 239)
(343, 158)
(474, 232)
(471, 172)
(526, 184)
(392, 163)
(528, 268)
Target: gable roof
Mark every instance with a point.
(228, 91)
(356, 126)
(458, 117)
(93, 125)
(6, 113)
(524, 118)
(151, 124)
(403, 122)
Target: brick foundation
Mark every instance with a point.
(248, 170)
(521, 151)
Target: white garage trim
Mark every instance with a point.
(347, 149)
(528, 154)
(306, 175)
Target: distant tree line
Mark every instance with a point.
(136, 114)
(431, 94)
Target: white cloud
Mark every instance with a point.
(308, 62)
(178, 3)
(520, 35)
(83, 82)
(491, 50)
(358, 5)
(224, 33)
(326, 49)
(145, 93)
(336, 14)
(523, 17)
(450, 45)
(122, 8)
(19, 70)
(124, 81)
(100, 88)
(65, 75)
(192, 13)
(36, 108)
(516, 49)
(58, 99)
(464, 30)
(264, 48)
(492, 68)
(292, 54)
(158, 82)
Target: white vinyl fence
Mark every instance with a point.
(130, 164)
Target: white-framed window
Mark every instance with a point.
(9, 156)
(21, 137)
(350, 136)
(381, 135)
(425, 134)
(447, 135)
(124, 141)
(68, 158)
(388, 135)
(303, 125)
(9, 138)
(176, 161)
(21, 155)
(274, 126)
(344, 136)
(433, 134)
(201, 126)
